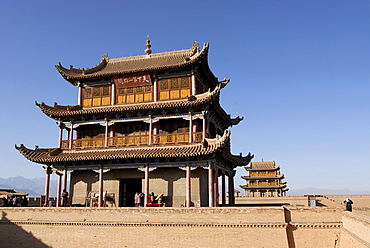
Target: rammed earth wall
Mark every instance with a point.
(171, 227)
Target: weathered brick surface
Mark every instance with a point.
(166, 227)
(356, 230)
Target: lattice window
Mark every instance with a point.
(132, 129)
(163, 84)
(174, 88)
(87, 92)
(92, 131)
(96, 96)
(174, 83)
(134, 94)
(173, 126)
(106, 91)
(185, 82)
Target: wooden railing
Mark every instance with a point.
(176, 138)
(83, 143)
(160, 139)
(128, 140)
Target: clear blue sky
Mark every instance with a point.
(299, 71)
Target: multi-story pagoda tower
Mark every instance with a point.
(147, 123)
(264, 180)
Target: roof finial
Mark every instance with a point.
(148, 46)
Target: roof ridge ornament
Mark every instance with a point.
(148, 46)
(104, 57)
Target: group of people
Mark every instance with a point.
(140, 197)
(14, 201)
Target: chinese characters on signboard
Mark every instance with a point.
(133, 80)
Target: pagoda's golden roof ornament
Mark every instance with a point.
(148, 46)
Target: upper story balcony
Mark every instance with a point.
(133, 140)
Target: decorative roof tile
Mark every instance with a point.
(263, 166)
(58, 111)
(55, 155)
(134, 64)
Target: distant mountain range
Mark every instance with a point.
(32, 186)
(317, 191)
(36, 187)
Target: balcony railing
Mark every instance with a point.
(128, 140)
(137, 140)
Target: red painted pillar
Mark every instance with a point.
(190, 128)
(65, 177)
(59, 189)
(101, 187)
(223, 181)
(188, 186)
(48, 171)
(146, 190)
(210, 186)
(61, 127)
(215, 188)
(232, 189)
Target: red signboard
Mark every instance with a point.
(133, 80)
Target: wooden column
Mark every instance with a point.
(79, 100)
(113, 93)
(231, 188)
(150, 129)
(65, 175)
(193, 86)
(106, 133)
(59, 189)
(61, 127)
(71, 136)
(155, 93)
(146, 189)
(210, 186)
(188, 185)
(215, 187)
(101, 187)
(203, 127)
(223, 181)
(48, 171)
(195, 129)
(190, 128)
(208, 124)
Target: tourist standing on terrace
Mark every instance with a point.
(64, 198)
(348, 203)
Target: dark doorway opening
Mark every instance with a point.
(128, 188)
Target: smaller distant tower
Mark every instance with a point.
(264, 180)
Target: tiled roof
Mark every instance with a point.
(262, 186)
(141, 63)
(280, 176)
(263, 166)
(58, 111)
(55, 155)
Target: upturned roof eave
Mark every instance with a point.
(77, 110)
(74, 75)
(57, 155)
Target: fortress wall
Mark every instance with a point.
(314, 214)
(313, 226)
(355, 231)
(167, 214)
(301, 201)
(359, 201)
(168, 227)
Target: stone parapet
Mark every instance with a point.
(170, 227)
(355, 231)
